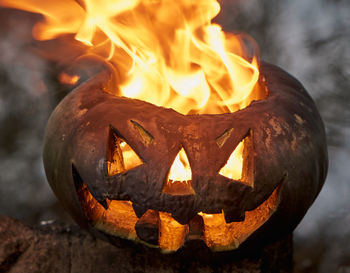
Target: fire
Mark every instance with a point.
(67, 79)
(180, 170)
(233, 167)
(166, 52)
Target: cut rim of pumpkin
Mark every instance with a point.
(120, 220)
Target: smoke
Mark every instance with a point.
(25, 105)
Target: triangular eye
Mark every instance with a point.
(181, 169)
(120, 156)
(234, 165)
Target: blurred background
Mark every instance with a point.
(310, 39)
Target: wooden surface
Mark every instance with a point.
(61, 248)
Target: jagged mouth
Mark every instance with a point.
(160, 229)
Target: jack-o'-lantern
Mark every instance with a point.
(109, 160)
(238, 153)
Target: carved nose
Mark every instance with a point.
(179, 181)
(180, 170)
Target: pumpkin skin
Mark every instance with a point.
(285, 159)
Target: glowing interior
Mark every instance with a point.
(180, 169)
(221, 236)
(121, 156)
(120, 219)
(234, 165)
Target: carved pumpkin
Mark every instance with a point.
(91, 135)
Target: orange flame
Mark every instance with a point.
(180, 170)
(166, 52)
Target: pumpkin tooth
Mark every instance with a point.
(196, 228)
(171, 233)
(217, 235)
(183, 215)
(233, 215)
(104, 203)
(147, 227)
(139, 210)
(118, 220)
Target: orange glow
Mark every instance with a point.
(67, 79)
(166, 52)
(180, 170)
(219, 235)
(120, 219)
(172, 234)
(233, 167)
(121, 157)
